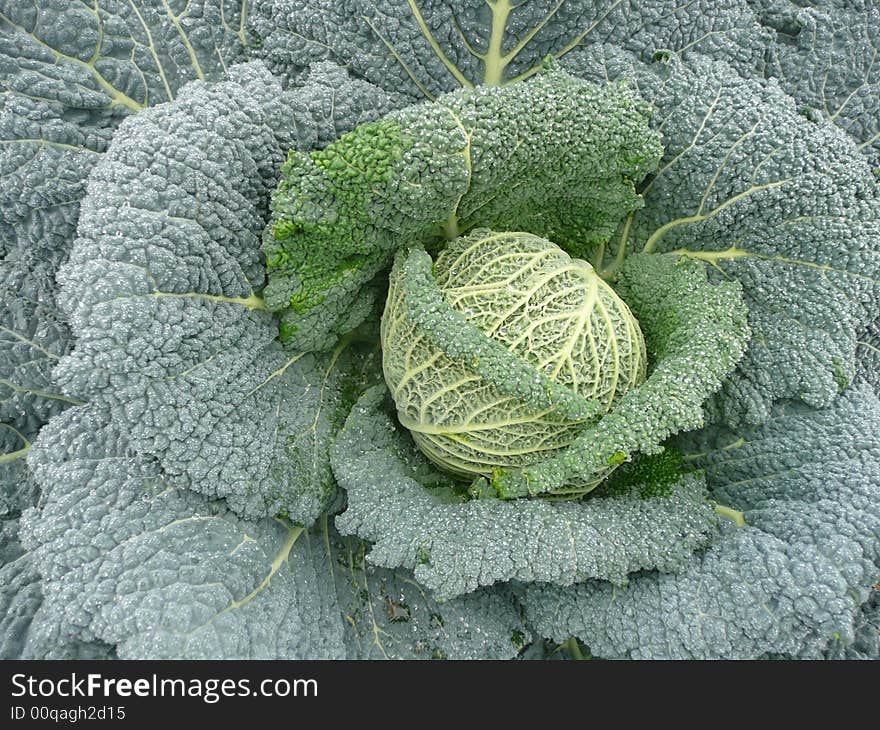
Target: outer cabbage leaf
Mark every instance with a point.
(761, 194)
(824, 55)
(33, 335)
(427, 47)
(43, 165)
(161, 294)
(69, 73)
(114, 55)
(479, 157)
(132, 562)
(414, 518)
(790, 583)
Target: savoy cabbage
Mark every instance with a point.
(214, 443)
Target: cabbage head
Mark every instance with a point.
(557, 320)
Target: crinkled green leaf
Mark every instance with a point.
(161, 294)
(427, 47)
(824, 55)
(69, 73)
(27, 629)
(129, 561)
(789, 583)
(387, 614)
(17, 490)
(114, 56)
(473, 158)
(10, 549)
(411, 514)
(763, 195)
(33, 336)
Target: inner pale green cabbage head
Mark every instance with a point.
(548, 309)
